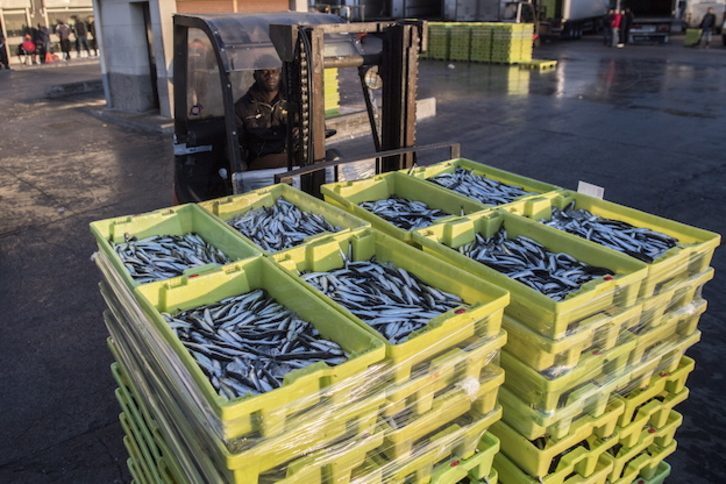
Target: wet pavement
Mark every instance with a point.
(645, 122)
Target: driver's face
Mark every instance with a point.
(268, 79)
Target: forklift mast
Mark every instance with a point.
(302, 50)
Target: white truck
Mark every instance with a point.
(656, 20)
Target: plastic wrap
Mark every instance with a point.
(348, 195)
(363, 424)
(591, 380)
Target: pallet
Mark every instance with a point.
(541, 64)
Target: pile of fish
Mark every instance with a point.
(164, 256)
(280, 226)
(479, 187)
(391, 300)
(642, 243)
(527, 261)
(404, 213)
(247, 344)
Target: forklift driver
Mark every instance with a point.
(261, 117)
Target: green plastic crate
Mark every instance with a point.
(548, 393)
(569, 472)
(658, 475)
(596, 434)
(268, 413)
(693, 37)
(554, 319)
(471, 359)
(599, 332)
(180, 220)
(439, 37)
(349, 194)
(502, 176)
(481, 318)
(229, 207)
(691, 256)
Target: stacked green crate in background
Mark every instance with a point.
(460, 42)
(497, 42)
(482, 34)
(332, 92)
(439, 38)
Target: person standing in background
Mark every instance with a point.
(607, 30)
(92, 30)
(42, 43)
(3, 51)
(64, 34)
(707, 26)
(615, 26)
(625, 25)
(81, 32)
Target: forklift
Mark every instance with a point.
(215, 57)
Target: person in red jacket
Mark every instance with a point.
(615, 25)
(28, 49)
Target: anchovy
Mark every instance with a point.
(479, 187)
(165, 256)
(391, 300)
(527, 261)
(404, 213)
(280, 226)
(246, 344)
(640, 242)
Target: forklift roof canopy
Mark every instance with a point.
(243, 40)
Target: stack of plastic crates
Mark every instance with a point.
(508, 43)
(415, 411)
(482, 35)
(438, 41)
(332, 92)
(591, 380)
(460, 42)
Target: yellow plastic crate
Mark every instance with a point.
(468, 360)
(547, 394)
(349, 194)
(661, 384)
(405, 438)
(588, 402)
(137, 466)
(539, 312)
(540, 458)
(502, 176)
(334, 463)
(180, 220)
(509, 473)
(653, 446)
(482, 317)
(652, 415)
(445, 444)
(597, 333)
(276, 411)
(229, 207)
(691, 256)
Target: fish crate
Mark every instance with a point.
(144, 460)
(548, 393)
(537, 188)
(543, 456)
(480, 315)
(692, 255)
(279, 410)
(334, 463)
(439, 39)
(653, 415)
(460, 42)
(545, 315)
(481, 42)
(176, 221)
(228, 208)
(470, 362)
(653, 447)
(569, 473)
(589, 402)
(598, 333)
(456, 433)
(442, 465)
(348, 195)
(664, 386)
(654, 476)
(693, 37)
(137, 465)
(408, 436)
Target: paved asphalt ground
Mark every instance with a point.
(645, 122)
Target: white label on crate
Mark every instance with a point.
(590, 189)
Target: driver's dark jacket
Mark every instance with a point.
(262, 129)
